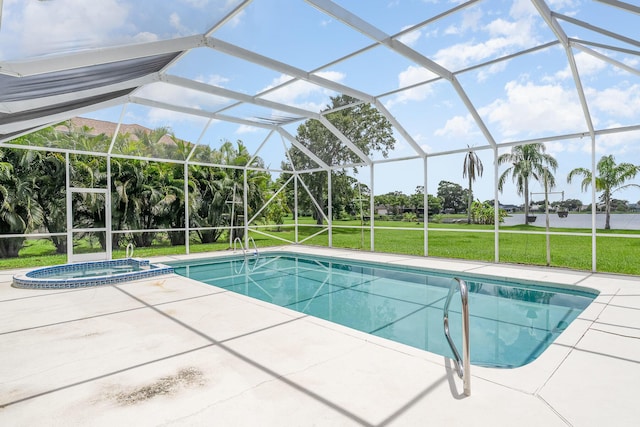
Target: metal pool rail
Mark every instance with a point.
(462, 364)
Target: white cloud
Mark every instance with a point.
(459, 127)
(164, 92)
(213, 79)
(562, 4)
(617, 143)
(244, 129)
(522, 9)
(554, 148)
(470, 21)
(176, 23)
(504, 36)
(303, 94)
(411, 37)
(334, 76)
(158, 117)
(616, 101)
(412, 75)
(631, 62)
(236, 20)
(421, 140)
(532, 110)
(588, 65)
(145, 37)
(484, 73)
(415, 74)
(46, 26)
(198, 4)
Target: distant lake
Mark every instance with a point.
(617, 221)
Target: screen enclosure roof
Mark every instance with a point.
(448, 75)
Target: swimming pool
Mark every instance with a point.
(511, 323)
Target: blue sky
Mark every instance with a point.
(529, 96)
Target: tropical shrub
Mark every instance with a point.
(484, 213)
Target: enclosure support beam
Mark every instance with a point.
(108, 212)
(295, 207)
(605, 58)
(553, 24)
(186, 207)
(622, 5)
(496, 209)
(330, 207)
(426, 209)
(372, 206)
(69, 209)
(246, 210)
(594, 205)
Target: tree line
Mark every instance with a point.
(145, 195)
(149, 194)
(525, 163)
(530, 162)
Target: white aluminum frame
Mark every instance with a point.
(183, 45)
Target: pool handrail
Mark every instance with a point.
(244, 262)
(244, 252)
(242, 248)
(463, 364)
(239, 240)
(255, 247)
(129, 251)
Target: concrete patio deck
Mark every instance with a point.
(172, 351)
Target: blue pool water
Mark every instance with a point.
(511, 324)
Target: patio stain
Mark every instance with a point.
(185, 378)
(159, 284)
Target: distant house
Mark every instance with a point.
(98, 127)
(508, 208)
(382, 210)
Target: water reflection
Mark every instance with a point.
(575, 220)
(510, 324)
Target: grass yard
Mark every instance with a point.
(462, 241)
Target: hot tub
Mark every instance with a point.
(87, 274)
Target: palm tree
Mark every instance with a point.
(610, 179)
(528, 161)
(134, 195)
(150, 142)
(51, 195)
(19, 212)
(471, 168)
(169, 211)
(49, 173)
(257, 181)
(212, 188)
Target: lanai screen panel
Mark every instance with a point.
(482, 73)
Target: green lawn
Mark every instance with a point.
(614, 255)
